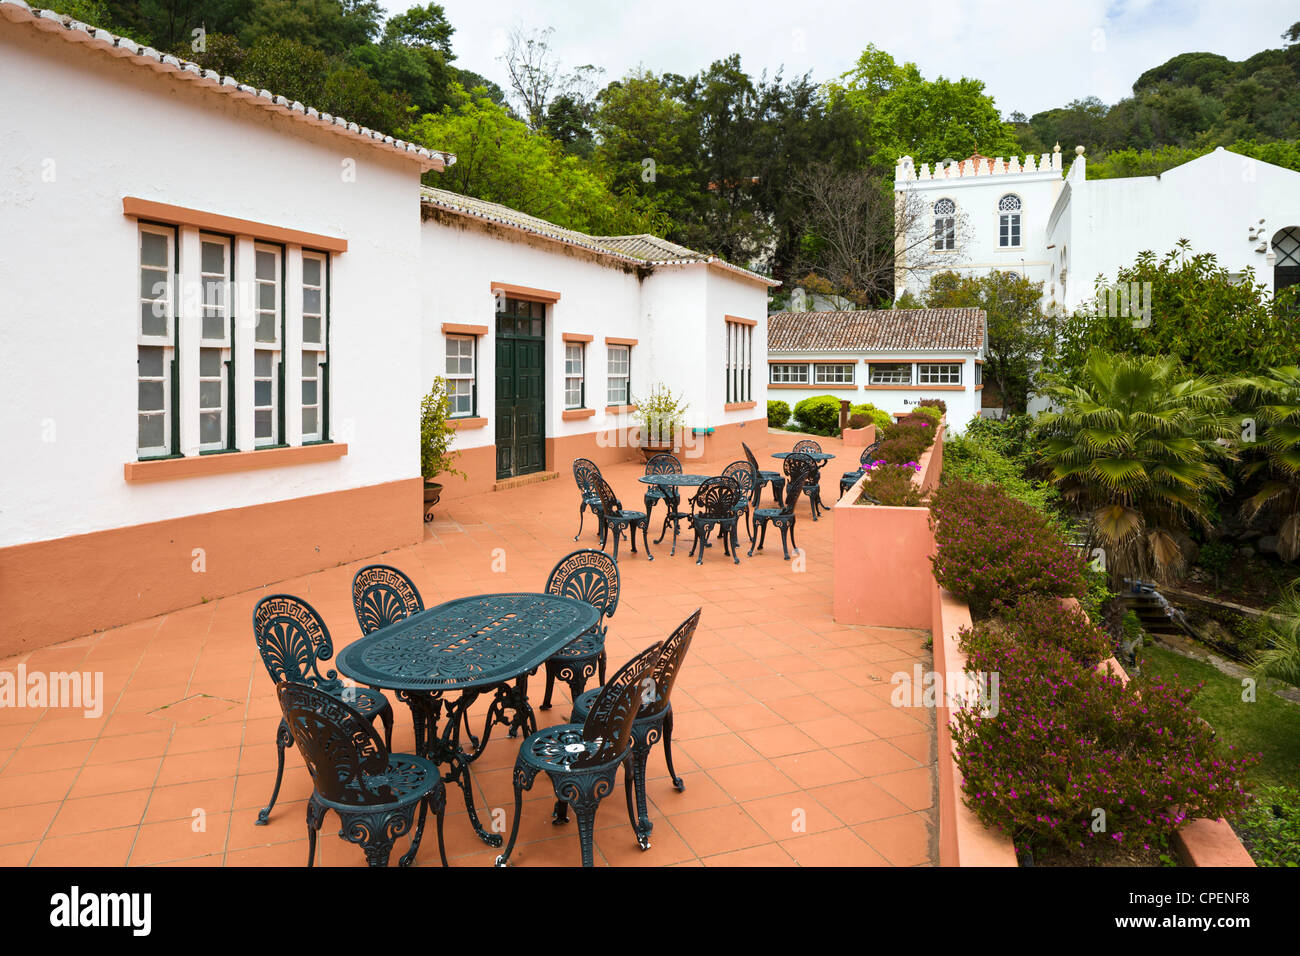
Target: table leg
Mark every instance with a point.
(448, 751)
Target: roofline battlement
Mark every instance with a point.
(976, 166)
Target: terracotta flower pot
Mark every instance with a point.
(432, 493)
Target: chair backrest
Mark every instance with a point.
(609, 503)
(383, 595)
(800, 470)
(583, 471)
(670, 664)
(868, 454)
(343, 753)
(609, 722)
(753, 462)
(293, 640)
(717, 498)
(588, 575)
(745, 476)
(663, 464)
(807, 445)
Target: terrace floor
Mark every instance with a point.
(791, 751)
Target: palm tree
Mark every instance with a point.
(1135, 446)
(1276, 398)
(1281, 661)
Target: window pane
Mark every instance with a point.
(262, 393)
(209, 428)
(310, 364)
(151, 396)
(150, 361)
(153, 249)
(311, 271)
(265, 327)
(214, 258)
(309, 421)
(262, 423)
(209, 394)
(311, 328)
(214, 326)
(265, 265)
(262, 363)
(266, 295)
(153, 284)
(309, 393)
(153, 318)
(311, 301)
(150, 433)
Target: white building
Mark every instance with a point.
(891, 358)
(219, 311)
(1065, 231)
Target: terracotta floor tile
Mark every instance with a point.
(24, 824)
(117, 777)
(872, 757)
(788, 815)
(100, 848)
(100, 813)
(915, 788)
(767, 854)
(840, 847)
(780, 741)
(749, 781)
(177, 840)
(903, 841)
(815, 769)
(859, 801)
(718, 751)
(718, 830)
(49, 787)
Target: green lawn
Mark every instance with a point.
(1269, 725)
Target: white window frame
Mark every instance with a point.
(1009, 223)
(317, 347)
(945, 226)
(164, 297)
(739, 345)
(456, 379)
(782, 373)
(274, 348)
(891, 378)
(938, 373)
(614, 376)
(979, 373)
(821, 374)
(214, 297)
(575, 372)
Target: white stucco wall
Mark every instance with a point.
(80, 130)
(1212, 201)
(962, 405)
(976, 197)
(676, 314)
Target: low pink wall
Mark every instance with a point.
(858, 437)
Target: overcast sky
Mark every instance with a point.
(1032, 55)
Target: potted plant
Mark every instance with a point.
(661, 415)
(436, 436)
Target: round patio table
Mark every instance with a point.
(449, 655)
(672, 482)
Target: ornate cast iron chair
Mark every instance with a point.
(654, 722)
(714, 505)
(746, 476)
(867, 457)
(775, 478)
(592, 576)
(583, 470)
(615, 519)
(800, 469)
(812, 486)
(383, 595)
(293, 640)
(663, 464)
(374, 792)
(583, 759)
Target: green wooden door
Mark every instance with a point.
(521, 388)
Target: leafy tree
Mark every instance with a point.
(1200, 314)
(500, 160)
(1018, 331)
(1281, 660)
(1274, 397)
(1136, 449)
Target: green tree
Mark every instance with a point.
(1274, 457)
(1281, 660)
(500, 160)
(1200, 314)
(1018, 331)
(1135, 449)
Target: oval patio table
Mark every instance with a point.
(821, 457)
(675, 514)
(449, 655)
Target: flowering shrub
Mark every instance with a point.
(906, 440)
(928, 412)
(938, 403)
(1043, 619)
(891, 485)
(991, 547)
(1073, 759)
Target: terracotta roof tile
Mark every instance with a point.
(878, 330)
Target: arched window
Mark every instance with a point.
(1009, 220)
(945, 224)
